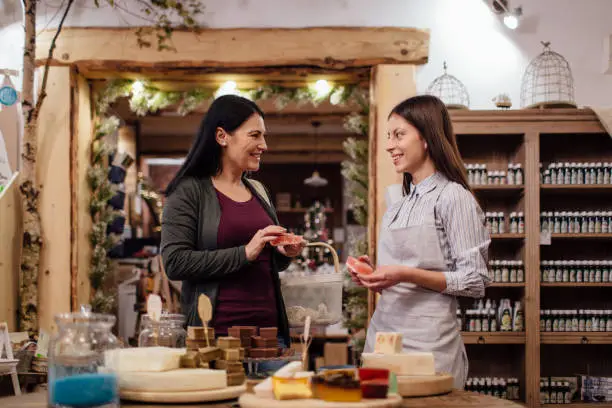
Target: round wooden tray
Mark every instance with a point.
(185, 396)
(423, 386)
(253, 401)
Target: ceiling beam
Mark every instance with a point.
(116, 49)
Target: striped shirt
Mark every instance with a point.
(461, 229)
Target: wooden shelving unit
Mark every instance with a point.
(531, 137)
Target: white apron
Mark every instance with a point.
(425, 318)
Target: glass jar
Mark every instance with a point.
(77, 373)
(168, 332)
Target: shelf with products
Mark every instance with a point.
(587, 236)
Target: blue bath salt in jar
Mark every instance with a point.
(79, 375)
(84, 390)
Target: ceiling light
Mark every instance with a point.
(322, 88)
(511, 19)
(315, 180)
(227, 88)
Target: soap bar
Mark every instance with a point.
(226, 343)
(262, 342)
(144, 359)
(291, 388)
(199, 333)
(190, 360)
(229, 366)
(388, 343)
(268, 332)
(235, 379)
(413, 363)
(264, 389)
(231, 354)
(208, 354)
(181, 380)
(197, 344)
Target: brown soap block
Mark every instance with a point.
(258, 352)
(268, 332)
(199, 333)
(208, 354)
(204, 365)
(262, 342)
(190, 360)
(272, 352)
(241, 353)
(226, 343)
(235, 379)
(229, 366)
(231, 354)
(198, 344)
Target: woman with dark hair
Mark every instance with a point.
(433, 243)
(217, 224)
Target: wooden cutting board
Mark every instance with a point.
(184, 396)
(422, 386)
(253, 401)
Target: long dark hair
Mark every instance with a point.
(228, 112)
(430, 117)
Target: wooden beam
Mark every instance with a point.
(82, 120)
(53, 166)
(276, 143)
(116, 49)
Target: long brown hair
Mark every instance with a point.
(430, 117)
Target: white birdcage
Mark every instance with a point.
(548, 82)
(450, 90)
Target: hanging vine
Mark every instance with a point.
(144, 99)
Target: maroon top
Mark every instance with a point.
(246, 297)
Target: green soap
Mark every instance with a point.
(392, 383)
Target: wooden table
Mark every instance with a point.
(456, 399)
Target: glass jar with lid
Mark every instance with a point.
(167, 332)
(78, 373)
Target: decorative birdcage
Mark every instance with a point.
(548, 82)
(450, 90)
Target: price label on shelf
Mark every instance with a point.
(545, 237)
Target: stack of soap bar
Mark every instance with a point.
(413, 363)
(196, 337)
(231, 358)
(388, 343)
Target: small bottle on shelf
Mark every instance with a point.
(518, 174)
(521, 223)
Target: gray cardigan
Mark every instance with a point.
(189, 248)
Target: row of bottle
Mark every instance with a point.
(496, 222)
(479, 175)
(576, 271)
(583, 320)
(506, 388)
(555, 392)
(576, 173)
(506, 271)
(576, 222)
(489, 318)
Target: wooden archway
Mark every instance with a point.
(66, 118)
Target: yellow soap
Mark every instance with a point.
(291, 388)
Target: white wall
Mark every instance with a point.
(480, 51)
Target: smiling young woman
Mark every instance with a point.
(433, 242)
(216, 226)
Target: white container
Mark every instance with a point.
(316, 295)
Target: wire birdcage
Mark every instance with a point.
(548, 82)
(450, 90)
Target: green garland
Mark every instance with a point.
(145, 98)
